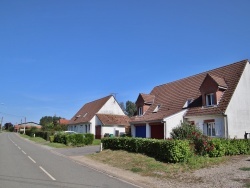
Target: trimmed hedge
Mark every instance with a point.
(74, 139)
(43, 134)
(165, 150)
(174, 151)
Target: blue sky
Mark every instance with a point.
(57, 55)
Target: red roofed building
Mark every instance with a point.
(217, 101)
(100, 117)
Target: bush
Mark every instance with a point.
(88, 139)
(184, 131)
(165, 150)
(51, 139)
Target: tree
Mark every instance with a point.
(49, 122)
(8, 126)
(131, 108)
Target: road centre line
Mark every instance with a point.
(32, 159)
(47, 173)
(23, 152)
(19, 147)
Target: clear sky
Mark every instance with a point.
(57, 55)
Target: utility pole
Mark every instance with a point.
(24, 125)
(1, 124)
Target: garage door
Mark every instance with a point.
(157, 130)
(140, 131)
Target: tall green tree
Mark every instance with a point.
(49, 122)
(131, 108)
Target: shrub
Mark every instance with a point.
(165, 150)
(184, 131)
(51, 139)
(88, 139)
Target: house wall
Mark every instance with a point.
(81, 128)
(173, 121)
(111, 107)
(219, 124)
(238, 110)
(112, 129)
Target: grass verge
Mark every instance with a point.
(147, 166)
(40, 140)
(54, 145)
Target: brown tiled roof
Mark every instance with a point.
(148, 99)
(108, 119)
(220, 81)
(172, 96)
(87, 112)
(63, 121)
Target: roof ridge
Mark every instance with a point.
(99, 99)
(188, 77)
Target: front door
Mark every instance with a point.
(98, 131)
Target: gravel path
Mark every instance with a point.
(225, 175)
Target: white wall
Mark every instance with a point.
(238, 111)
(132, 130)
(111, 107)
(111, 130)
(173, 121)
(219, 123)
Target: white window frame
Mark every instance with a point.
(211, 131)
(140, 112)
(210, 99)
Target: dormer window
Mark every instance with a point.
(140, 112)
(212, 90)
(210, 99)
(157, 108)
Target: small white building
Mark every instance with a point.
(100, 117)
(217, 101)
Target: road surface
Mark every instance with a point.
(24, 164)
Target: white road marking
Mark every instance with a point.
(23, 152)
(47, 173)
(15, 144)
(19, 147)
(32, 159)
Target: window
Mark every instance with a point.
(140, 113)
(210, 99)
(210, 129)
(157, 108)
(187, 103)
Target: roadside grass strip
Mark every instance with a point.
(245, 169)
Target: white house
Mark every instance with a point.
(217, 101)
(100, 117)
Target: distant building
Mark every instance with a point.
(100, 117)
(23, 126)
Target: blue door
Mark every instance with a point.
(140, 131)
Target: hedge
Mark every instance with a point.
(177, 150)
(74, 139)
(164, 150)
(43, 134)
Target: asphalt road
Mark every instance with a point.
(24, 164)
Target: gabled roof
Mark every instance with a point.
(219, 81)
(88, 111)
(148, 99)
(172, 96)
(108, 119)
